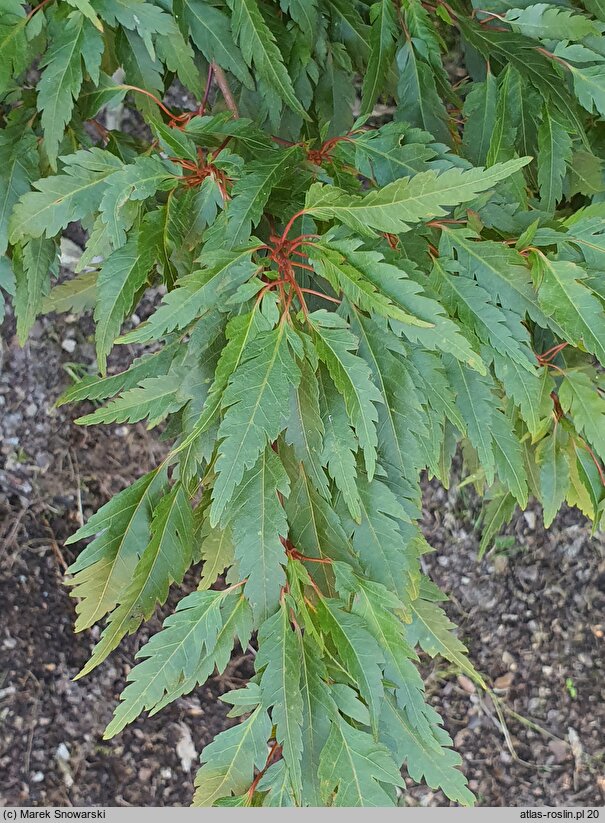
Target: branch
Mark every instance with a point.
(223, 85)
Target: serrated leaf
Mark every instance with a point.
(74, 42)
(553, 459)
(33, 269)
(279, 659)
(229, 761)
(76, 295)
(120, 277)
(252, 191)
(579, 396)
(171, 655)
(260, 50)
(358, 650)
(509, 458)
(437, 768)
(134, 182)
(554, 155)
(495, 515)
(305, 427)
(432, 630)
(579, 313)
(256, 411)
(353, 769)
(154, 398)
(401, 204)
(18, 165)
(163, 562)
(257, 520)
(103, 570)
(196, 293)
(383, 33)
(476, 401)
(211, 33)
(351, 375)
(99, 388)
(64, 198)
(547, 22)
(344, 267)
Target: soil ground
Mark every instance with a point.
(532, 614)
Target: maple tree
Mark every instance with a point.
(346, 303)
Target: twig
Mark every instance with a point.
(223, 85)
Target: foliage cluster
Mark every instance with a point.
(346, 304)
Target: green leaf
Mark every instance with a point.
(563, 296)
(154, 398)
(335, 346)
(501, 271)
(186, 644)
(353, 769)
(401, 204)
(500, 328)
(103, 570)
(18, 165)
(589, 85)
(480, 112)
(76, 295)
(305, 427)
(64, 198)
(432, 630)
(554, 155)
(74, 42)
(388, 630)
(383, 35)
(256, 404)
(419, 102)
(144, 18)
(172, 654)
(137, 181)
(259, 49)
(579, 396)
(237, 622)
(344, 267)
(164, 561)
(547, 22)
(359, 652)
(14, 51)
(476, 401)
(99, 388)
(527, 388)
(229, 761)
(120, 277)
(257, 520)
(437, 768)
(211, 32)
(196, 293)
(33, 269)
(494, 516)
(340, 443)
(279, 660)
(252, 191)
(509, 458)
(553, 459)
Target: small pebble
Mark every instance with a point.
(69, 345)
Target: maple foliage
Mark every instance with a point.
(345, 303)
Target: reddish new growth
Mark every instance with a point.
(281, 252)
(196, 173)
(324, 154)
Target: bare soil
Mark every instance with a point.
(532, 613)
